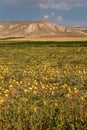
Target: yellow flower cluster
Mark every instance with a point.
(47, 72)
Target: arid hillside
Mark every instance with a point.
(29, 29)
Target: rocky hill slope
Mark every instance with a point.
(38, 29)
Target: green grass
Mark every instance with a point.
(43, 85)
(41, 43)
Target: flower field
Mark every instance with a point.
(43, 86)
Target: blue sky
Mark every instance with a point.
(63, 12)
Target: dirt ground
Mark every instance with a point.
(48, 39)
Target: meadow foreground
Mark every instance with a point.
(43, 86)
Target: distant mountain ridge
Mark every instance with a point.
(39, 28)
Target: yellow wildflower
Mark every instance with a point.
(34, 92)
(82, 98)
(6, 95)
(11, 86)
(25, 90)
(30, 88)
(52, 92)
(75, 90)
(44, 102)
(69, 89)
(35, 109)
(64, 86)
(50, 89)
(56, 104)
(35, 87)
(1, 101)
(43, 87)
(68, 95)
(6, 91)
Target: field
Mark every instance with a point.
(43, 85)
(49, 38)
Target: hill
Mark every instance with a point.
(38, 29)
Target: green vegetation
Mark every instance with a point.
(43, 85)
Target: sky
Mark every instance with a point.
(63, 12)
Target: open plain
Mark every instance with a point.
(43, 85)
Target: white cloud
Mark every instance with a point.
(59, 19)
(73, 23)
(21, 2)
(65, 22)
(45, 4)
(62, 4)
(54, 5)
(46, 16)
